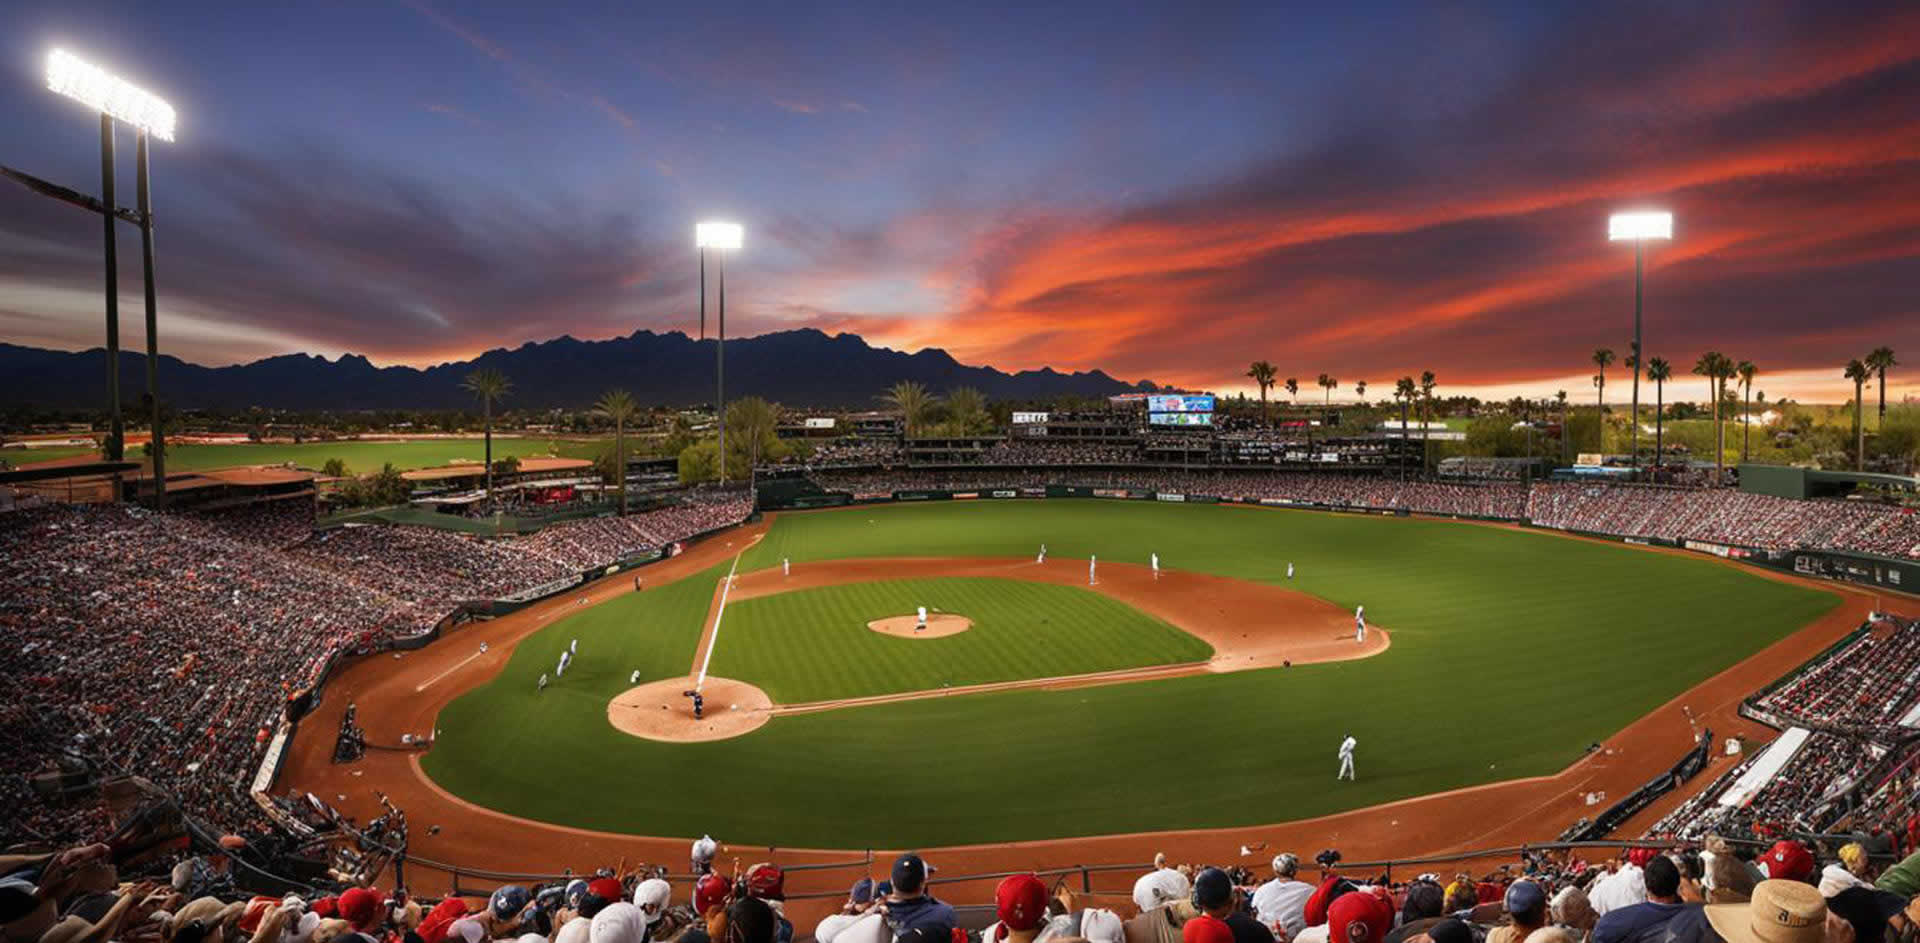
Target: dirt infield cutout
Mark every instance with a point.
(660, 710)
(939, 625)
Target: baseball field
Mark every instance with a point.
(1219, 689)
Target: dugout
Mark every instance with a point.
(1787, 481)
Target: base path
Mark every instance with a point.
(939, 625)
(661, 710)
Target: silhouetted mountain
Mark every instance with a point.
(804, 368)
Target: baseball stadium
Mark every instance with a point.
(670, 636)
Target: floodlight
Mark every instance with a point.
(106, 93)
(718, 235)
(1643, 224)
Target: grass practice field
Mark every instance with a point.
(361, 457)
(1512, 651)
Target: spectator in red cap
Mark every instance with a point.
(1788, 861)
(1020, 903)
(1206, 929)
(1214, 894)
(1360, 917)
(360, 908)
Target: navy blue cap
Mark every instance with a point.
(910, 873)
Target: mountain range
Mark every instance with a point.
(800, 368)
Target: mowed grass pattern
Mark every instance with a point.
(1511, 652)
(814, 644)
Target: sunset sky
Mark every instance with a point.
(1164, 192)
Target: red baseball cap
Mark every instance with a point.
(1360, 917)
(1638, 857)
(326, 906)
(1788, 860)
(1207, 929)
(1021, 902)
(1315, 909)
(359, 907)
(712, 890)
(767, 882)
(607, 889)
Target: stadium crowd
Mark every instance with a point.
(175, 640)
(1727, 517)
(1872, 682)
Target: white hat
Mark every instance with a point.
(576, 930)
(704, 847)
(1103, 926)
(652, 891)
(618, 922)
(1160, 888)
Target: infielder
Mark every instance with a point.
(1360, 625)
(635, 678)
(566, 658)
(1092, 561)
(1346, 758)
(1042, 558)
(1156, 565)
(786, 567)
(921, 626)
(573, 645)
(1289, 569)
(543, 681)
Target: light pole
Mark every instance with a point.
(719, 237)
(1638, 226)
(149, 114)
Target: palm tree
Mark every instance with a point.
(1602, 358)
(1880, 361)
(1427, 383)
(1360, 390)
(1745, 371)
(967, 405)
(1293, 389)
(1404, 390)
(1262, 373)
(1858, 373)
(1716, 367)
(618, 405)
(1328, 383)
(913, 401)
(1659, 371)
(488, 386)
(1561, 396)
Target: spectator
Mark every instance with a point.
(910, 906)
(1644, 922)
(1780, 912)
(1281, 902)
(1526, 904)
(1214, 895)
(1163, 898)
(1624, 886)
(1363, 916)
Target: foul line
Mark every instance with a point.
(462, 663)
(714, 635)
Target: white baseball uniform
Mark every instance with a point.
(1289, 570)
(1042, 558)
(786, 567)
(923, 619)
(1360, 624)
(1091, 562)
(573, 646)
(1346, 758)
(543, 682)
(566, 658)
(1156, 564)
(635, 677)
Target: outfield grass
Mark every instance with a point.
(1512, 651)
(814, 644)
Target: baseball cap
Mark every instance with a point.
(767, 882)
(1638, 857)
(1780, 912)
(910, 873)
(1360, 917)
(359, 907)
(1330, 890)
(712, 890)
(1526, 897)
(862, 891)
(1212, 889)
(1450, 930)
(1424, 900)
(1206, 929)
(1868, 909)
(1787, 860)
(1160, 888)
(576, 889)
(1021, 902)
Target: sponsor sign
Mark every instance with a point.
(1180, 404)
(965, 495)
(1590, 459)
(1111, 493)
(1174, 498)
(824, 422)
(1029, 419)
(544, 589)
(1008, 494)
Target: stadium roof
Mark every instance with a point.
(474, 469)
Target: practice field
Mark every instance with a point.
(814, 644)
(1512, 651)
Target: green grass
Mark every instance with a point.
(1551, 643)
(814, 644)
(361, 457)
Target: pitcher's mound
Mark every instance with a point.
(938, 624)
(660, 710)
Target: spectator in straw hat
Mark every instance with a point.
(1781, 911)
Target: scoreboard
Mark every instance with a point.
(1183, 410)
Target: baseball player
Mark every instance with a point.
(922, 624)
(543, 681)
(786, 567)
(635, 677)
(1289, 569)
(1360, 625)
(699, 705)
(1346, 758)
(1092, 561)
(636, 584)
(566, 658)
(483, 648)
(573, 645)
(1156, 565)
(1042, 558)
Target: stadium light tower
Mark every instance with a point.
(150, 115)
(1638, 226)
(719, 237)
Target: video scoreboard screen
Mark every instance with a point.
(1180, 419)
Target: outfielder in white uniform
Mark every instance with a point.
(1092, 561)
(543, 682)
(786, 567)
(1360, 625)
(1042, 558)
(566, 658)
(1346, 758)
(635, 677)
(922, 624)
(573, 645)
(1156, 565)
(1289, 569)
